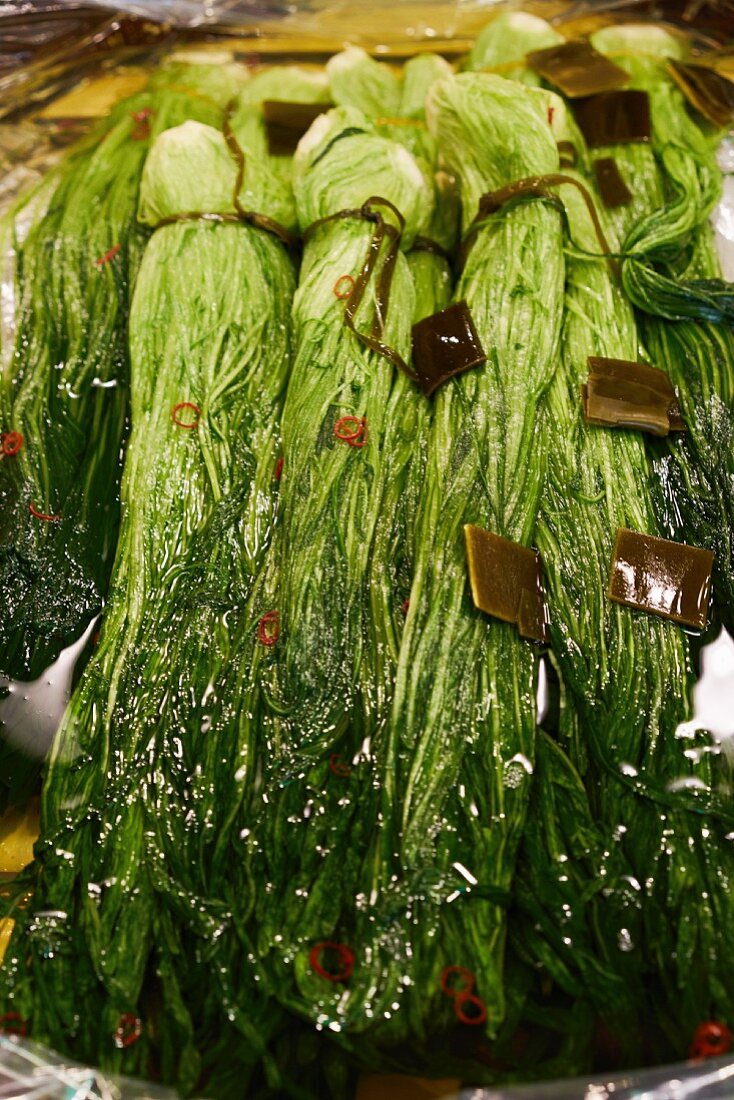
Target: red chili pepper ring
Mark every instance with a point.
(194, 423)
(710, 1040)
(12, 443)
(129, 1030)
(42, 515)
(351, 430)
(268, 629)
(343, 287)
(344, 954)
(108, 256)
(449, 973)
(12, 1023)
(337, 767)
(478, 1014)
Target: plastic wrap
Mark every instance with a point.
(32, 1072)
(49, 46)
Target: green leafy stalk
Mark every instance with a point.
(633, 690)
(65, 389)
(339, 810)
(504, 42)
(646, 775)
(693, 494)
(459, 749)
(132, 827)
(338, 643)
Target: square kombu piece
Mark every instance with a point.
(612, 188)
(445, 344)
(506, 581)
(614, 118)
(710, 92)
(664, 578)
(624, 394)
(577, 69)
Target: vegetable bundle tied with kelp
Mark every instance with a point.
(561, 892)
(64, 391)
(458, 752)
(351, 431)
(132, 825)
(693, 487)
(331, 821)
(598, 481)
(633, 690)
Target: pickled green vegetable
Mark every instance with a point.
(65, 390)
(693, 491)
(130, 834)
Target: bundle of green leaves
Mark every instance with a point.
(64, 390)
(133, 828)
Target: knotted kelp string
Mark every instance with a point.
(693, 485)
(130, 802)
(65, 391)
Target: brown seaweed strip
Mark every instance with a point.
(262, 221)
(709, 91)
(444, 345)
(426, 244)
(536, 187)
(624, 394)
(614, 118)
(664, 578)
(197, 216)
(287, 122)
(612, 188)
(383, 230)
(567, 154)
(577, 69)
(506, 581)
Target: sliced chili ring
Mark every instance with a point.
(129, 1029)
(711, 1040)
(12, 443)
(182, 423)
(12, 1023)
(338, 767)
(42, 515)
(449, 973)
(475, 1018)
(346, 959)
(268, 629)
(343, 430)
(343, 287)
(108, 255)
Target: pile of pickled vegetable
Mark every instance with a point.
(369, 430)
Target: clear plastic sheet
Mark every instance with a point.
(29, 1071)
(32, 1072)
